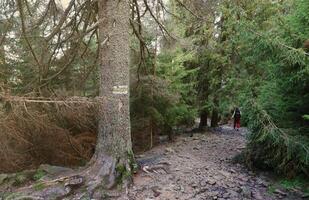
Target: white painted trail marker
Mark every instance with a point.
(122, 89)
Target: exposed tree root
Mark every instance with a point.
(96, 181)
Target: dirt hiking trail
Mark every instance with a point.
(202, 167)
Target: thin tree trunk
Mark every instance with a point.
(203, 119)
(215, 114)
(4, 72)
(152, 131)
(214, 118)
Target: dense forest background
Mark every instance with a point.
(189, 59)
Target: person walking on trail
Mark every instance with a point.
(236, 116)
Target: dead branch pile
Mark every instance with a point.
(46, 133)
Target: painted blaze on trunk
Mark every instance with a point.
(114, 137)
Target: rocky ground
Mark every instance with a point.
(191, 168)
(202, 167)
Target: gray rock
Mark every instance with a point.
(244, 178)
(257, 196)
(55, 170)
(226, 195)
(277, 191)
(225, 173)
(246, 192)
(219, 177)
(169, 150)
(56, 191)
(194, 185)
(156, 191)
(233, 194)
(213, 194)
(211, 181)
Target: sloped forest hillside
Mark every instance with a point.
(189, 60)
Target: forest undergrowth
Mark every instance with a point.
(56, 134)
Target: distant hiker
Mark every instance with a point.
(236, 116)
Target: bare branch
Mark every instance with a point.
(20, 8)
(61, 22)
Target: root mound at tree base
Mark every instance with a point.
(97, 180)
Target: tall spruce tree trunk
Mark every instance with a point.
(114, 145)
(114, 136)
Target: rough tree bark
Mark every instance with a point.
(114, 146)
